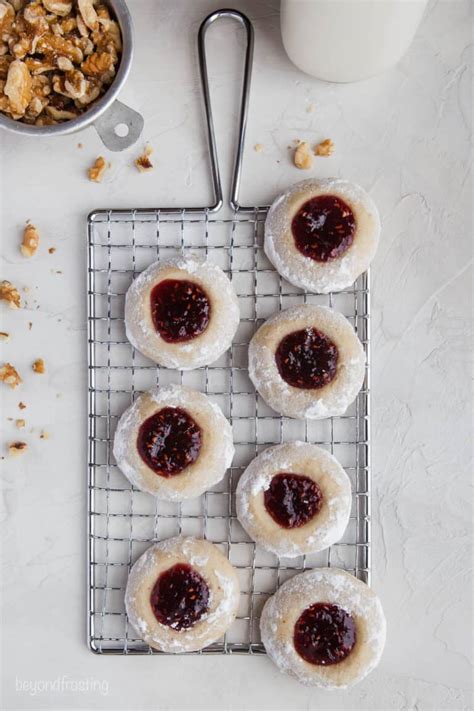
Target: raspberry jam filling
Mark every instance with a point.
(180, 597)
(323, 228)
(324, 634)
(292, 499)
(180, 310)
(169, 441)
(307, 359)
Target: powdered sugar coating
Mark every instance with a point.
(212, 565)
(215, 455)
(319, 533)
(302, 271)
(199, 351)
(330, 400)
(333, 586)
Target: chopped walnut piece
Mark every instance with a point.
(143, 162)
(59, 7)
(7, 15)
(16, 448)
(65, 64)
(51, 250)
(96, 173)
(22, 406)
(88, 13)
(97, 64)
(10, 294)
(302, 158)
(325, 148)
(9, 375)
(20, 424)
(258, 148)
(4, 336)
(39, 366)
(45, 434)
(18, 87)
(30, 241)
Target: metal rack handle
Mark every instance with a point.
(244, 105)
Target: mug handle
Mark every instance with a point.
(107, 124)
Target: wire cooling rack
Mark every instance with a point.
(122, 521)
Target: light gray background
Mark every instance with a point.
(405, 137)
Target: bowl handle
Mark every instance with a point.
(117, 115)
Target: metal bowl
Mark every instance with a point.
(107, 113)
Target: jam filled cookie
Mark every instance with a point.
(182, 313)
(322, 234)
(182, 595)
(307, 362)
(174, 443)
(294, 498)
(324, 627)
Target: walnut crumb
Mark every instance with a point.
(258, 148)
(80, 145)
(310, 109)
(30, 241)
(45, 435)
(302, 157)
(52, 250)
(16, 448)
(9, 375)
(96, 172)
(39, 366)
(4, 336)
(325, 148)
(10, 294)
(143, 162)
(20, 424)
(22, 406)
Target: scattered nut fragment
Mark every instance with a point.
(143, 162)
(96, 172)
(4, 336)
(9, 375)
(10, 294)
(310, 108)
(258, 148)
(30, 241)
(51, 250)
(16, 448)
(325, 148)
(303, 158)
(39, 366)
(45, 434)
(22, 406)
(20, 423)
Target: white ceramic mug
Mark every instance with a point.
(348, 40)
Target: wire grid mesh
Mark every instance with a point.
(123, 521)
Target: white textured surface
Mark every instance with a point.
(404, 137)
